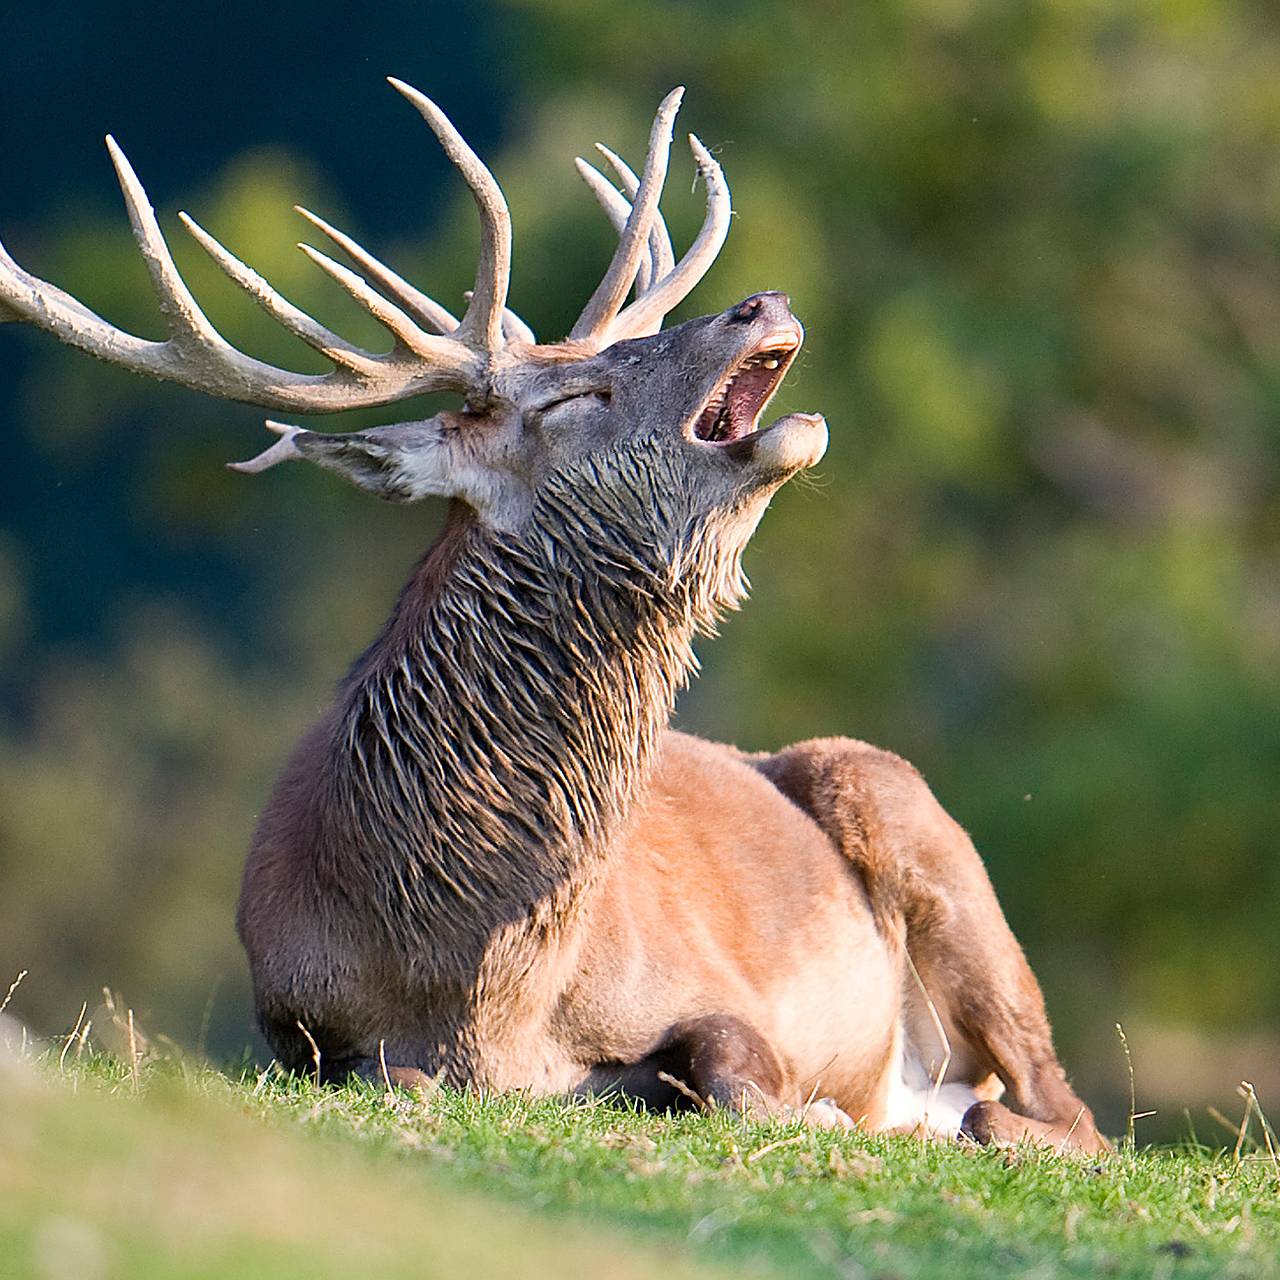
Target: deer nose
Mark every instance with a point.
(759, 305)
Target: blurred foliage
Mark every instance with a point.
(1035, 247)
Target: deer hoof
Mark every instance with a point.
(991, 1124)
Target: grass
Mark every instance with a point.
(174, 1171)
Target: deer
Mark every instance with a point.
(493, 863)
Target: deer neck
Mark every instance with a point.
(497, 734)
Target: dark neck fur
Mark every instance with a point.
(497, 733)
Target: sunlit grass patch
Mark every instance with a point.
(190, 1171)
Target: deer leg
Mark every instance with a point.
(716, 1060)
(928, 886)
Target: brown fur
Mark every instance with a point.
(726, 890)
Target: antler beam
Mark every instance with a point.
(661, 256)
(645, 314)
(482, 324)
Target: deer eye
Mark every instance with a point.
(602, 394)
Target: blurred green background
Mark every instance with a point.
(1036, 249)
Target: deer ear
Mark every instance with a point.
(374, 465)
(402, 462)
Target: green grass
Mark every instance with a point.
(193, 1173)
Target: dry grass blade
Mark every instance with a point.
(1066, 1138)
(1229, 1125)
(75, 1031)
(315, 1049)
(943, 1038)
(1247, 1091)
(390, 1096)
(202, 1040)
(760, 1152)
(13, 986)
(683, 1089)
(808, 1102)
(1133, 1096)
(1249, 1101)
(263, 1076)
(133, 1052)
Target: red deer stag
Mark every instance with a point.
(492, 861)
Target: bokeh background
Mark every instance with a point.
(1037, 250)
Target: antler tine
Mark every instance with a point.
(188, 325)
(279, 308)
(617, 209)
(414, 301)
(515, 329)
(409, 337)
(284, 450)
(616, 206)
(639, 317)
(605, 303)
(481, 327)
(661, 256)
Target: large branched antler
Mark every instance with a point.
(430, 350)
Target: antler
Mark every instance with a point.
(454, 356)
(663, 285)
(604, 304)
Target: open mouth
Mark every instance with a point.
(734, 409)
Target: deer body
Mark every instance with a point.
(542, 941)
(491, 862)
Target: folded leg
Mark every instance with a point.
(927, 885)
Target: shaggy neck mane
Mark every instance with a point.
(502, 725)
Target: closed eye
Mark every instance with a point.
(603, 394)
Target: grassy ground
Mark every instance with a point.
(192, 1173)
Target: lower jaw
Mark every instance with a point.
(791, 444)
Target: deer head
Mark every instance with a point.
(643, 424)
